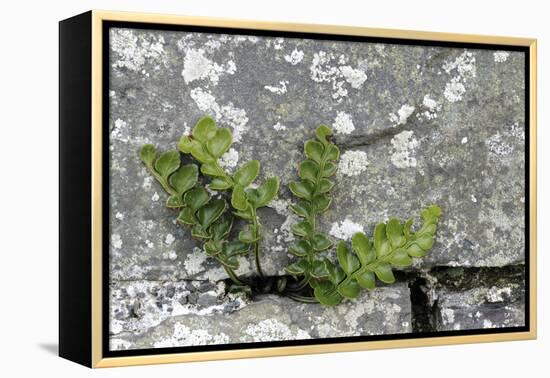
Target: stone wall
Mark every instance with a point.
(416, 125)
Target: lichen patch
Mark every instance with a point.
(353, 163)
(403, 147)
(343, 123)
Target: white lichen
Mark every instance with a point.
(197, 66)
(273, 330)
(155, 197)
(404, 145)
(281, 89)
(134, 51)
(185, 336)
(498, 146)
(194, 261)
(227, 115)
(454, 90)
(354, 76)
(402, 114)
(501, 56)
(353, 163)
(464, 140)
(431, 107)
(169, 239)
(345, 229)
(116, 241)
(119, 127)
(229, 160)
(295, 57)
(343, 123)
(279, 127)
(463, 68)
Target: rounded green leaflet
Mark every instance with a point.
(394, 233)
(327, 294)
(384, 273)
(207, 214)
(185, 178)
(220, 183)
(148, 154)
(186, 144)
(363, 248)
(174, 202)
(401, 258)
(213, 247)
(320, 242)
(302, 228)
(425, 241)
(321, 203)
(266, 192)
(300, 248)
(318, 269)
(324, 186)
(196, 198)
(238, 198)
(199, 153)
(329, 169)
(308, 170)
(365, 279)
(246, 236)
(187, 216)
(381, 244)
(347, 260)
(211, 169)
(349, 288)
(220, 142)
(414, 250)
(333, 152)
(167, 163)
(204, 129)
(301, 208)
(235, 248)
(302, 189)
(298, 268)
(314, 150)
(247, 173)
(221, 228)
(322, 133)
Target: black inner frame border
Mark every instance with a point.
(106, 25)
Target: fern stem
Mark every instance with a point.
(255, 233)
(233, 276)
(302, 298)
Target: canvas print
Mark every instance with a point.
(268, 188)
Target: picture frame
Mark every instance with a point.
(84, 233)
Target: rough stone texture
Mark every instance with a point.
(166, 319)
(416, 125)
(490, 302)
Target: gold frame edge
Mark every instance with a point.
(98, 16)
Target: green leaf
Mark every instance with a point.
(348, 261)
(199, 232)
(211, 169)
(314, 150)
(322, 132)
(300, 248)
(431, 214)
(407, 228)
(318, 269)
(220, 183)
(220, 142)
(213, 247)
(329, 169)
(265, 192)
(148, 153)
(325, 185)
(228, 261)
(302, 189)
(221, 228)
(365, 279)
(363, 248)
(235, 248)
(208, 214)
(400, 258)
(384, 273)
(174, 202)
(238, 198)
(247, 173)
(187, 216)
(349, 289)
(196, 198)
(394, 232)
(381, 244)
(335, 273)
(199, 153)
(414, 250)
(298, 268)
(204, 129)
(167, 163)
(327, 294)
(320, 202)
(308, 170)
(185, 178)
(246, 236)
(320, 242)
(186, 144)
(302, 228)
(425, 241)
(243, 214)
(302, 208)
(333, 152)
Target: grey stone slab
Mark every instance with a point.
(175, 314)
(416, 125)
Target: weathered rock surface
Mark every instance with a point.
(176, 314)
(416, 125)
(484, 299)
